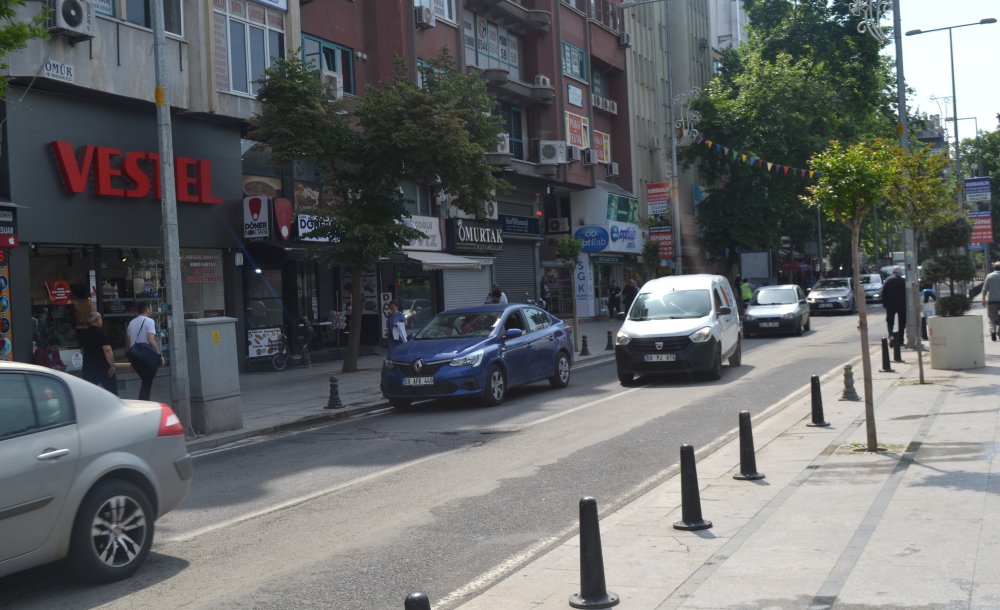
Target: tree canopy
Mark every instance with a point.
(15, 34)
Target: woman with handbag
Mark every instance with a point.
(143, 349)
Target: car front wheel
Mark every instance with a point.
(736, 358)
(715, 373)
(496, 386)
(561, 378)
(625, 378)
(112, 532)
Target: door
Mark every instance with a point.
(517, 352)
(544, 345)
(729, 323)
(39, 449)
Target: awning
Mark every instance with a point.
(433, 261)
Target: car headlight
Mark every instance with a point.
(622, 339)
(749, 318)
(842, 298)
(700, 336)
(473, 359)
(788, 316)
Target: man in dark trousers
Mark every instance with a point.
(629, 293)
(894, 302)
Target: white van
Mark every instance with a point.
(682, 323)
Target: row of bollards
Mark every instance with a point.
(593, 587)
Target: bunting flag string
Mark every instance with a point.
(753, 161)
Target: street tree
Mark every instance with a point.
(432, 133)
(568, 253)
(15, 33)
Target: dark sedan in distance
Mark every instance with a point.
(479, 351)
(777, 309)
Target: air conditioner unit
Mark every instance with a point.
(424, 16)
(612, 169)
(589, 156)
(74, 18)
(558, 225)
(490, 210)
(551, 152)
(612, 107)
(334, 83)
(575, 153)
(625, 40)
(503, 146)
(542, 81)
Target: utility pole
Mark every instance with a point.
(180, 390)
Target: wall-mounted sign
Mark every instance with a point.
(523, 225)
(622, 208)
(256, 218)
(8, 229)
(574, 95)
(57, 71)
(577, 130)
(602, 144)
(429, 226)
(134, 175)
(308, 223)
(6, 320)
(624, 237)
(467, 235)
(283, 217)
(593, 238)
(664, 236)
(658, 198)
(982, 227)
(261, 185)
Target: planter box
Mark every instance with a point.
(957, 342)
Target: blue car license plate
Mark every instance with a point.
(418, 381)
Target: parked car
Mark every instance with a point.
(479, 351)
(83, 474)
(833, 294)
(777, 309)
(683, 323)
(872, 285)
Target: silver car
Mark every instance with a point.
(83, 473)
(833, 294)
(777, 309)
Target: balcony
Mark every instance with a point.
(512, 16)
(500, 84)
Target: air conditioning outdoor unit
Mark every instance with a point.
(73, 18)
(575, 153)
(589, 156)
(612, 107)
(503, 146)
(490, 210)
(334, 83)
(551, 152)
(625, 40)
(612, 169)
(424, 16)
(558, 225)
(542, 81)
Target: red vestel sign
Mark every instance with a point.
(137, 173)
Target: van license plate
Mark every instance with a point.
(418, 381)
(826, 304)
(769, 325)
(660, 357)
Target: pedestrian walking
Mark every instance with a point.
(991, 299)
(395, 327)
(614, 299)
(98, 357)
(894, 302)
(629, 293)
(141, 340)
(496, 295)
(746, 292)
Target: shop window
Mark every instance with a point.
(574, 61)
(130, 277)
(414, 295)
(320, 54)
(490, 45)
(265, 308)
(204, 289)
(247, 38)
(60, 293)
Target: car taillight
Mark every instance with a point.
(170, 424)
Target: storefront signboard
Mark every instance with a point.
(134, 175)
(664, 236)
(256, 218)
(658, 198)
(602, 144)
(429, 226)
(8, 229)
(385, 298)
(624, 237)
(593, 238)
(308, 223)
(263, 342)
(622, 208)
(58, 71)
(6, 319)
(522, 225)
(482, 236)
(577, 130)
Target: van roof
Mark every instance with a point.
(682, 282)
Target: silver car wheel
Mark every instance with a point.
(118, 532)
(496, 384)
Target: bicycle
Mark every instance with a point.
(281, 359)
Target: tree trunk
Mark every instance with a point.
(866, 357)
(350, 364)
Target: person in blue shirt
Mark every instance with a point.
(394, 333)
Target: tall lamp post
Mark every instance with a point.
(979, 150)
(954, 99)
(675, 203)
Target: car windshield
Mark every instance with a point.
(775, 296)
(871, 279)
(671, 305)
(459, 325)
(831, 285)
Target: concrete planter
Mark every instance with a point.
(957, 342)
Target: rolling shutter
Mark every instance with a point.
(463, 288)
(514, 269)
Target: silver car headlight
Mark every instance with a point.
(700, 336)
(789, 316)
(622, 339)
(473, 359)
(748, 317)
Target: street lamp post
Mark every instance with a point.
(954, 98)
(979, 150)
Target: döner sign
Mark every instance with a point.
(134, 175)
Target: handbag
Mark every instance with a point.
(143, 359)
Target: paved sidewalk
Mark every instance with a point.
(831, 526)
(296, 397)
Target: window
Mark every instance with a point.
(490, 45)
(513, 119)
(16, 413)
(139, 12)
(580, 5)
(574, 61)
(537, 319)
(52, 403)
(600, 84)
(443, 9)
(606, 13)
(418, 200)
(247, 37)
(324, 55)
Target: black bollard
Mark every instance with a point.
(610, 347)
(748, 460)
(886, 367)
(584, 351)
(849, 392)
(817, 404)
(334, 402)
(897, 355)
(690, 497)
(593, 591)
(417, 601)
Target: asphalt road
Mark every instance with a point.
(443, 499)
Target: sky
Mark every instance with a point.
(926, 65)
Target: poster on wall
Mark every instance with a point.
(602, 144)
(577, 130)
(6, 320)
(369, 292)
(262, 342)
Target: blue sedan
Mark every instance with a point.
(479, 351)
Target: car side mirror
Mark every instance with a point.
(802, 302)
(512, 333)
(725, 311)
